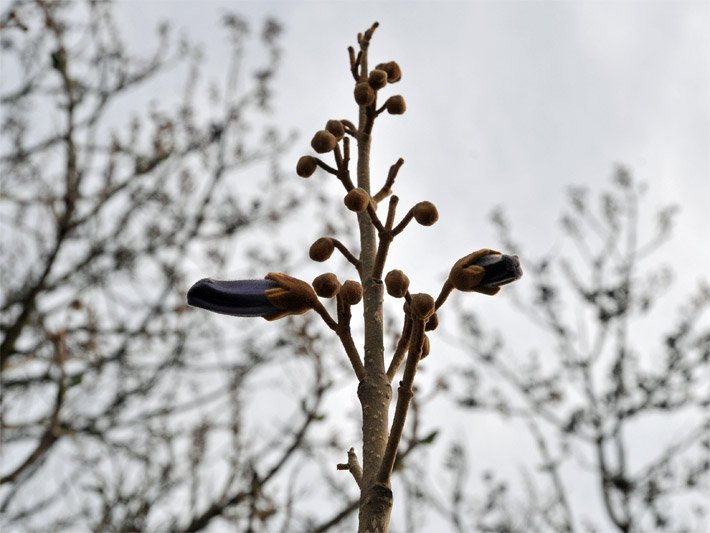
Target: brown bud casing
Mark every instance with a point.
(432, 323)
(326, 285)
(426, 347)
(323, 142)
(425, 213)
(484, 271)
(357, 200)
(394, 73)
(377, 79)
(397, 283)
(364, 94)
(351, 291)
(336, 128)
(322, 249)
(292, 297)
(465, 277)
(422, 306)
(395, 105)
(306, 166)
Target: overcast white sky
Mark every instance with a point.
(508, 102)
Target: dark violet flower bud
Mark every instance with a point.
(500, 269)
(485, 271)
(245, 297)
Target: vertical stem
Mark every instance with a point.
(374, 391)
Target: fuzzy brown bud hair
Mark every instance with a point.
(395, 105)
(377, 79)
(326, 285)
(322, 249)
(351, 291)
(306, 166)
(364, 94)
(394, 73)
(422, 306)
(432, 323)
(426, 347)
(425, 213)
(336, 128)
(357, 200)
(397, 283)
(323, 142)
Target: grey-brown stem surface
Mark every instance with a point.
(374, 391)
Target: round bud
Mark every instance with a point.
(357, 200)
(397, 283)
(432, 323)
(395, 105)
(394, 73)
(336, 128)
(323, 142)
(364, 94)
(426, 347)
(306, 166)
(425, 213)
(422, 306)
(322, 249)
(351, 291)
(326, 285)
(377, 79)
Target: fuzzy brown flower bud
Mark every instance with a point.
(397, 283)
(484, 271)
(394, 73)
(422, 306)
(351, 291)
(395, 105)
(323, 142)
(322, 249)
(364, 94)
(425, 213)
(426, 347)
(432, 323)
(377, 79)
(306, 166)
(336, 128)
(326, 285)
(357, 200)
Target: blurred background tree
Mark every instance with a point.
(124, 410)
(612, 413)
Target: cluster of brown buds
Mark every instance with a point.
(279, 295)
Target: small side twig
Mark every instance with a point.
(350, 128)
(401, 349)
(346, 339)
(405, 393)
(325, 315)
(386, 237)
(353, 466)
(444, 294)
(354, 61)
(343, 162)
(403, 223)
(386, 189)
(347, 254)
(374, 218)
(325, 166)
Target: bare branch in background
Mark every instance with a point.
(593, 391)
